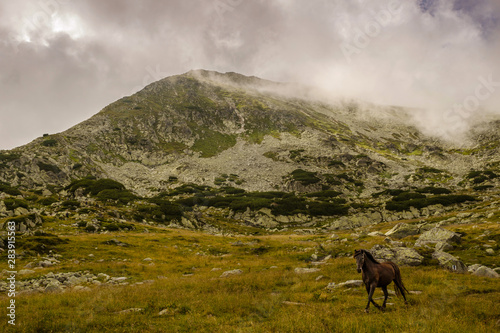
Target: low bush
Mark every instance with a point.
(13, 203)
(6, 188)
(47, 167)
(445, 200)
(434, 190)
(305, 177)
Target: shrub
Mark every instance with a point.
(323, 194)
(405, 196)
(483, 187)
(90, 228)
(70, 204)
(49, 143)
(42, 242)
(445, 200)
(48, 167)
(13, 203)
(305, 177)
(120, 196)
(434, 190)
(47, 201)
(6, 188)
(116, 226)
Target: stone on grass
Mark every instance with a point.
(438, 235)
(232, 272)
(402, 230)
(449, 262)
(486, 272)
(301, 270)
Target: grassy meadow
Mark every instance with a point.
(181, 288)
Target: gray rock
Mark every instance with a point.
(443, 246)
(53, 286)
(131, 310)
(232, 272)
(491, 252)
(449, 262)
(402, 230)
(347, 284)
(486, 272)
(399, 255)
(438, 235)
(25, 271)
(473, 268)
(301, 270)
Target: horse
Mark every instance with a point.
(376, 274)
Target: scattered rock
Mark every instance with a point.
(348, 284)
(232, 272)
(473, 268)
(147, 259)
(491, 252)
(438, 235)
(399, 255)
(402, 230)
(131, 310)
(449, 262)
(25, 271)
(486, 272)
(292, 303)
(302, 270)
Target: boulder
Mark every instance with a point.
(438, 235)
(473, 268)
(399, 255)
(449, 262)
(402, 230)
(443, 246)
(486, 272)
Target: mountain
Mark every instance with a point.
(230, 131)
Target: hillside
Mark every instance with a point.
(211, 201)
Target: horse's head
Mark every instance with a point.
(359, 255)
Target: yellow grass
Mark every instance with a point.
(194, 298)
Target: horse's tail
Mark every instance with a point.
(400, 288)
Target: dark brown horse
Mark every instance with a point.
(376, 274)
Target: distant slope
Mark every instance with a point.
(202, 126)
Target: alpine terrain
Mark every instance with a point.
(206, 171)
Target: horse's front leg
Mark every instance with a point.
(386, 295)
(371, 289)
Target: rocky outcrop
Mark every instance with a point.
(402, 230)
(438, 235)
(25, 223)
(399, 255)
(449, 262)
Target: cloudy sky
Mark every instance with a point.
(61, 61)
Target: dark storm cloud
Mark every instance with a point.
(62, 60)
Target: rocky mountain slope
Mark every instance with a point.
(262, 152)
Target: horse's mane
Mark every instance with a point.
(369, 255)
